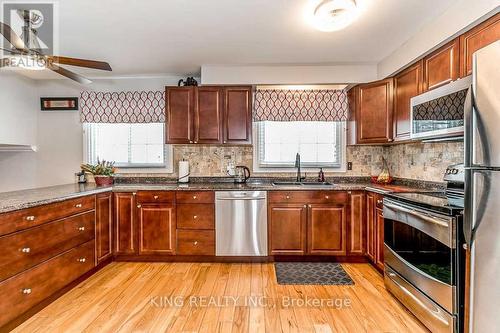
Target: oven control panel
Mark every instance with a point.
(454, 173)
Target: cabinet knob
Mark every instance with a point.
(349, 192)
(327, 197)
(30, 218)
(139, 206)
(81, 228)
(134, 193)
(288, 197)
(78, 205)
(26, 250)
(309, 206)
(81, 259)
(380, 201)
(194, 196)
(155, 197)
(26, 291)
(196, 142)
(225, 141)
(190, 141)
(305, 206)
(195, 243)
(195, 217)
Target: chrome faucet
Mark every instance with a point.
(297, 165)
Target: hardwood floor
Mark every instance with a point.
(132, 297)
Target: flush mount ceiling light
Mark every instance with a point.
(334, 15)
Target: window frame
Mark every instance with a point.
(166, 167)
(266, 168)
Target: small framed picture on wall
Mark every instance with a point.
(59, 103)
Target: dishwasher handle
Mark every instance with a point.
(241, 195)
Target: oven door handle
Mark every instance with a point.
(435, 314)
(418, 214)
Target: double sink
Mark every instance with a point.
(301, 184)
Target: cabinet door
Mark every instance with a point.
(374, 112)
(104, 227)
(156, 228)
(407, 84)
(475, 39)
(370, 226)
(287, 229)
(326, 229)
(379, 253)
(237, 115)
(180, 112)
(124, 223)
(356, 231)
(208, 115)
(442, 66)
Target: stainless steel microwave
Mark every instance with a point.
(440, 112)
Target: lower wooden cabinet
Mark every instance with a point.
(287, 229)
(379, 250)
(125, 233)
(370, 226)
(156, 228)
(104, 226)
(356, 226)
(375, 229)
(326, 229)
(196, 242)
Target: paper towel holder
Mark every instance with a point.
(183, 172)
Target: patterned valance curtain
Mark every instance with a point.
(300, 105)
(122, 107)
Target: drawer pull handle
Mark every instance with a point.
(26, 250)
(155, 197)
(26, 291)
(81, 228)
(194, 197)
(195, 242)
(81, 259)
(78, 205)
(30, 218)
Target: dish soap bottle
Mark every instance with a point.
(321, 176)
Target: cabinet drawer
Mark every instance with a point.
(196, 242)
(195, 197)
(29, 288)
(25, 249)
(195, 216)
(154, 196)
(27, 218)
(308, 197)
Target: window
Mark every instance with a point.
(319, 143)
(129, 145)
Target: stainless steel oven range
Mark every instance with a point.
(423, 252)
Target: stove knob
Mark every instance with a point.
(455, 171)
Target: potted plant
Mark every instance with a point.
(103, 172)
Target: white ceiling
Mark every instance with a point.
(141, 37)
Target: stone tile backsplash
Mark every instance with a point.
(422, 161)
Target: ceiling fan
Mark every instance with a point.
(27, 53)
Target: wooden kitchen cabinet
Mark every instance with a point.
(125, 233)
(287, 229)
(104, 226)
(179, 106)
(326, 229)
(442, 66)
(237, 127)
(375, 229)
(379, 250)
(478, 37)
(356, 231)
(373, 112)
(157, 230)
(370, 226)
(209, 115)
(407, 84)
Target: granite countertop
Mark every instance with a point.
(10, 201)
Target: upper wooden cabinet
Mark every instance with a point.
(373, 112)
(407, 84)
(180, 114)
(237, 115)
(475, 39)
(442, 66)
(209, 115)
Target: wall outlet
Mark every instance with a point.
(349, 165)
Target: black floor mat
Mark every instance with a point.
(310, 273)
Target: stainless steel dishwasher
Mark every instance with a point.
(241, 223)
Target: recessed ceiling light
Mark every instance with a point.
(333, 15)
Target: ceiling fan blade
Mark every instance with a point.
(81, 63)
(11, 36)
(70, 75)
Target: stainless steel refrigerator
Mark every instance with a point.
(482, 189)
